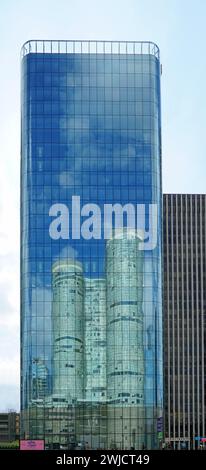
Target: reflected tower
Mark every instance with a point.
(94, 412)
(40, 379)
(95, 340)
(67, 324)
(125, 351)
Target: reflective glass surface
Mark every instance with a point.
(91, 308)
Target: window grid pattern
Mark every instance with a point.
(184, 317)
(91, 320)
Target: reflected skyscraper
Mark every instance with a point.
(95, 340)
(125, 349)
(67, 320)
(93, 412)
(40, 380)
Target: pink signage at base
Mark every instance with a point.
(32, 444)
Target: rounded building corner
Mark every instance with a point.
(155, 46)
(27, 48)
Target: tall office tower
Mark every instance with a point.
(91, 137)
(125, 342)
(95, 340)
(184, 318)
(67, 321)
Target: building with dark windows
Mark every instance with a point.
(9, 426)
(91, 300)
(184, 319)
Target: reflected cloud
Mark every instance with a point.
(68, 252)
(66, 178)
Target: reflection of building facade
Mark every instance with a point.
(91, 127)
(59, 427)
(93, 410)
(125, 351)
(184, 318)
(53, 421)
(95, 340)
(40, 379)
(67, 318)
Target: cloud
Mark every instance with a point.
(66, 178)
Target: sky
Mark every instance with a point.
(179, 30)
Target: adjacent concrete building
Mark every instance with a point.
(9, 426)
(184, 318)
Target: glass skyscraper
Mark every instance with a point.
(91, 288)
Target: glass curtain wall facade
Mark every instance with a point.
(91, 308)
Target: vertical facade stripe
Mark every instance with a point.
(184, 317)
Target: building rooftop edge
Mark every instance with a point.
(76, 46)
(184, 194)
